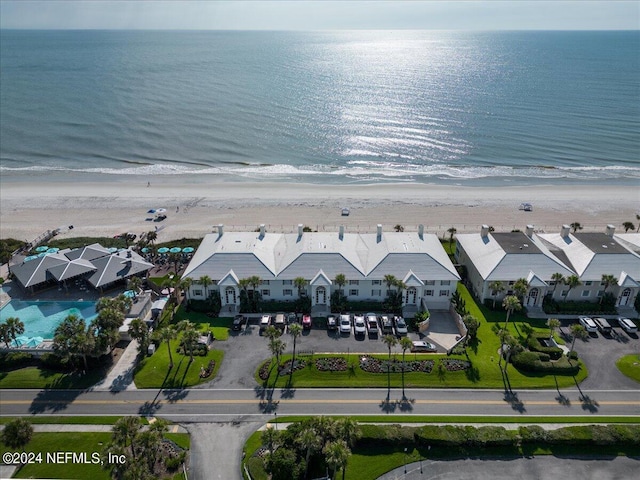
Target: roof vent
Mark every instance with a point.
(262, 230)
(610, 230)
(529, 230)
(300, 229)
(220, 229)
(525, 245)
(484, 231)
(379, 235)
(341, 234)
(421, 231)
(564, 231)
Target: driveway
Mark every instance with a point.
(600, 353)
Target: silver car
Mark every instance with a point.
(401, 326)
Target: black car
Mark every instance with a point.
(238, 321)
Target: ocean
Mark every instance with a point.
(343, 107)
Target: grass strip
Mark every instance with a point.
(629, 365)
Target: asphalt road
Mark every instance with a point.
(206, 405)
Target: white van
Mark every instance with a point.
(602, 324)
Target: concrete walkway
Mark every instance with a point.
(121, 375)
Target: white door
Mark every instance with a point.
(533, 297)
(624, 298)
(230, 296)
(410, 298)
(321, 296)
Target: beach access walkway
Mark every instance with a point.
(121, 375)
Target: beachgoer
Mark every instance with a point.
(148, 184)
(177, 209)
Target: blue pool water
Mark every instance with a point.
(41, 318)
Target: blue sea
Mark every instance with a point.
(343, 107)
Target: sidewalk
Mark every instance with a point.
(121, 375)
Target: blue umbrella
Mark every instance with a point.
(41, 254)
(42, 248)
(175, 250)
(53, 250)
(30, 257)
(151, 211)
(163, 250)
(129, 293)
(112, 249)
(188, 250)
(145, 250)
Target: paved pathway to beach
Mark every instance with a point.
(121, 375)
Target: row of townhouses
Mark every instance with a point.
(536, 257)
(417, 259)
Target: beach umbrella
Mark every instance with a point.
(30, 257)
(129, 293)
(112, 249)
(151, 211)
(19, 341)
(163, 250)
(175, 250)
(145, 250)
(188, 250)
(167, 291)
(53, 250)
(42, 248)
(161, 210)
(34, 342)
(41, 254)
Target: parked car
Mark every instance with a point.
(372, 324)
(588, 323)
(332, 322)
(359, 327)
(280, 321)
(627, 325)
(602, 324)
(306, 322)
(265, 321)
(238, 322)
(292, 318)
(345, 324)
(387, 325)
(420, 346)
(401, 326)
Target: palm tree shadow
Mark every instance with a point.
(288, 392)
(510, 396)
(386, 405)
(588, 403)
(406, 404)
(561, 398)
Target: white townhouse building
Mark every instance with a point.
(418, 259)
(592, 255)
(507, 257)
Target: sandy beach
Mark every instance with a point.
(193, 209)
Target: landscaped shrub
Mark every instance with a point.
(331, 364)
(533, 362)
(573, 355)
(377, 365)
(532, 434)
(53, 361)
(15, 359)
(491, 436)
(576, 307)
(533, 343)
(386, 435)
(455, 365)
(285, 368)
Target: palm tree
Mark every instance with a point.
(638, 219)
(15, 327)
(295, 330)
(310, 441)
(347, 429)
(553, 324)
(270, 438)
(254, 281)
(398, 228)
(125, 431)
(520, 287)
(134, 283)
(576, 226)
(390, 280)
(572, 281)
(405, 344)
(628, 226)
(167, 334)
(72, 338)
(496, 287)
(557, 279)
(277, 347)
(510, 304)
(390, 341)
(451, 231)
(336, 455)
(5, 336)
(577, 331)
(185, 285)
(340, 280)
(190, 338)
(271, 332)
(300, 283)
(139, 331)
(607, 281)
(205, 281)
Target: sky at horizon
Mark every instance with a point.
(320, 15)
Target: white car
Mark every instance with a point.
(401, 326)
(345, 324)
(588, 323)
(359, 327)
(265, 321)
(627, 325)
(422, 346)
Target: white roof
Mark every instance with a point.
(287, 256)
(511, 256)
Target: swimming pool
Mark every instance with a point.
(41, 318)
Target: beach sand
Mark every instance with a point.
(111, 208)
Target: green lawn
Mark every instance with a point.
(35, 377)
(153, 371)
(629, 365)
(461, 419)
(219, 326)
(483, 355)
(57, 420)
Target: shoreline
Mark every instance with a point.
(111, 208)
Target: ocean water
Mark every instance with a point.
(471, 108)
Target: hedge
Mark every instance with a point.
(539, 362)
(533, 343)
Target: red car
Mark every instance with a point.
(306, 322)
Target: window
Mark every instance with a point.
(445, 282)
(444, 293)
(197, 293)
(587, 284)
(564, 293)
(585, 293)
(602, 284)
(266, 293)
(511, 283)
(354, 282)
(552, 283)
(429, 293)
(376, 282)
(264, 282)
(376, 293)
(287, 282)
(509, 292)
(600, 293)
(353, 292)
(430, 282)
(287, 292)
